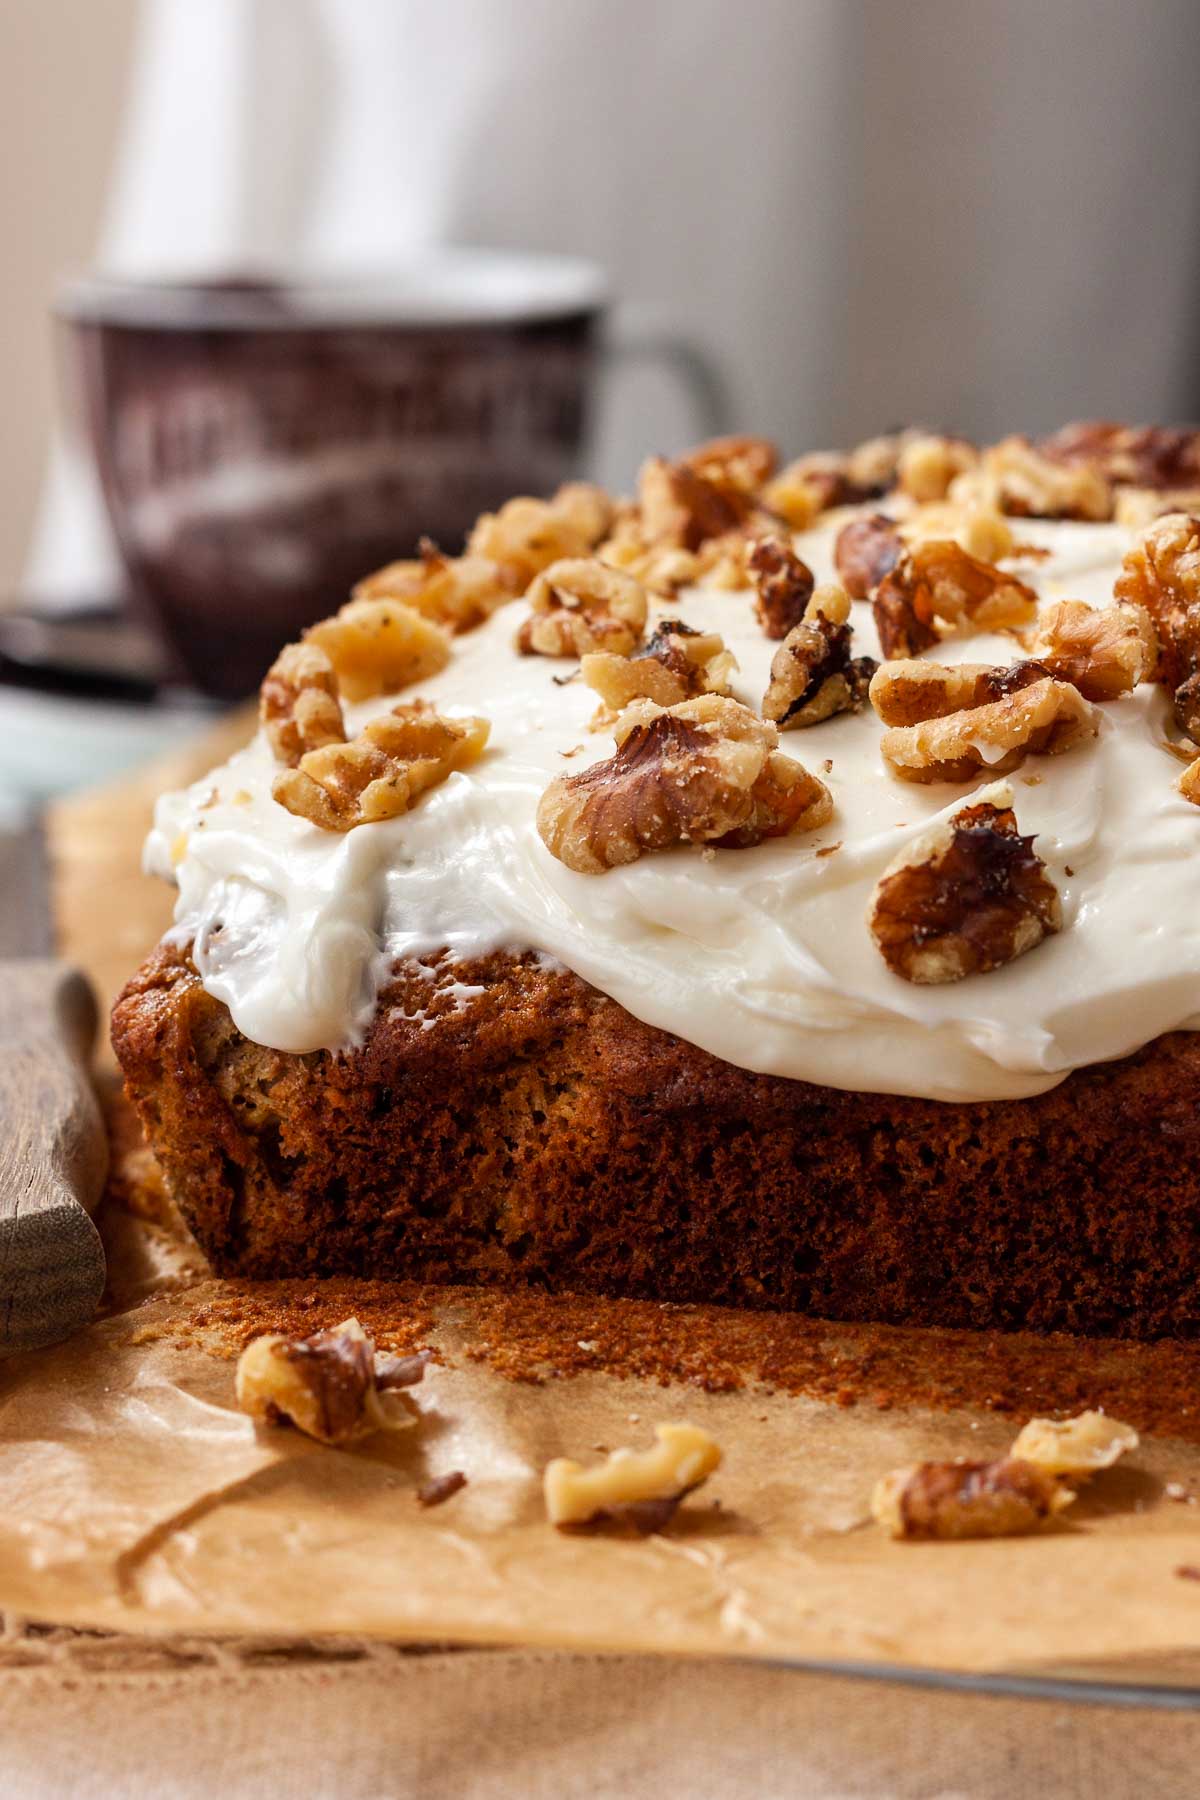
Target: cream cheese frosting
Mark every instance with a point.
(761, 956)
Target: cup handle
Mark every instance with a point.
(650, 331)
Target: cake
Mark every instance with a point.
(774, 890)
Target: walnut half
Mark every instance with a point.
(703, 772)
(582, 605)
(331, 1386)
(298, 703)
(392, 762)
(937, 587)
(1075, 1448)
(641, 1487)
(864, 551)
(1103, 651)
(676, 664)
(783, 583)
(951, 1500)
(813, 675)
(1162, 573)
(966, 896)
(1030, 713)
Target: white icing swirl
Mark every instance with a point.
(761, 956)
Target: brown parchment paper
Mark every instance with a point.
(133, 1495)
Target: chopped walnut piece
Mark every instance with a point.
(394, 759)
(981, 530)
(813, 675)
(682, 508)
(580, 605)
(455, 591)
(628, 1481)
(935, 587)
(330, 1386)
(675, 664)
(705, 771)
(783, 583)
(1162, 573)
(1189, 782)
(965, 896)
(379, 646)
(927, 464)
(1045, 718)
(527, 535)
(298, 703)
(743, 464)
(1138, 506)
(908, 692)
(1187, 707)
(1020, 480)
(1146, 456)
(871, 466)
(1102, 651)
(1075, 1447)
(864, 551)
(961, 1499)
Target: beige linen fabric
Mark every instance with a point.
(530, 1724)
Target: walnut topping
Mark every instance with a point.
(784, 585)
(298, 703)
(813, 675)
(906, 693)
(1162, 573)
(864, 551)
(965, 897)
(642, 1487)
(1189, 782)
(676, 664)
(681, 507)
(825, 478)
(981, 530)
(1016, 478)
(1045, 717)
(1145, 456)
(379, 646)
(1138, 507)
(740, 464)
(1076, 1447)
(705, 771)
(331, 1386)
(961, 1499)
(392, 762)
(455, 591)
(527, 535)
(936, 587)
(928, 464)
(582, 605)
(1102, 651)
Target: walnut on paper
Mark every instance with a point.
(332, 1386)
(967, 1499)
(641, 1488)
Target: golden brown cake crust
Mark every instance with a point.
(506, 1123)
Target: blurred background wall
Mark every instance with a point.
(982, 216)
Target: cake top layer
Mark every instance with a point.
(964, 898)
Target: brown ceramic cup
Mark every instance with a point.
(263, 444)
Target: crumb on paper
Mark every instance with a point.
(441, 1488)
(640, 1488)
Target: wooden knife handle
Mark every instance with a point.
(53, 1156)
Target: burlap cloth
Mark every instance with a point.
(93, 1717)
